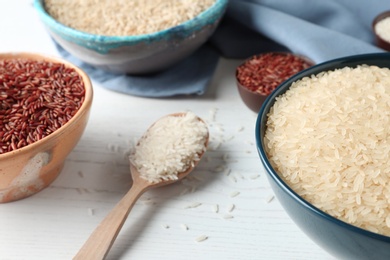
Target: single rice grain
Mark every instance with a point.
(201, 238)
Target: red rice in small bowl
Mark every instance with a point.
(44, 109)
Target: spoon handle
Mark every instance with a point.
(101, 240)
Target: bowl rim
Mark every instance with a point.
(259, 130)
(83, 109)
(205, 17)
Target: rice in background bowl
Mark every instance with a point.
(148, 45)
(324, 142)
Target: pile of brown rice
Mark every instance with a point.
(328, 136)
(121, 17)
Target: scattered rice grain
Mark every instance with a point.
(165, 226)
(193, 205)
(227, 171)
(240, 175)
(230, 208)
(80, 174)
(212, 114)
(219, 127)
(215, 145)
(234, 194)
(201, 238)
(227, 159)
(91, 211)
(233, 179)
(219, 168)
(148, 202)
(270, 198)
(250, 142)
(197, 178)
(229, 138)
(185, 191)
(184, 227)
(143, 198)
(240, 129)
(227, 216)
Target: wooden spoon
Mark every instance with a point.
(99, 243)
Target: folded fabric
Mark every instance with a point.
(191, 76)
(319, 30)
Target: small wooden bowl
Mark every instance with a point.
(380, 42)
(255, 99)
(29, 169)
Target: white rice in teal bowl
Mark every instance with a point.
(324, 139)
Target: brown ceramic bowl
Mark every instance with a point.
(251, 99)
(380, 42)
(29, 169)
(275, 63)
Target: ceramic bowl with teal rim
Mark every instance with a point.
(136, 54)
(339, 238)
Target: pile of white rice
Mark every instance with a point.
(122, 17)
(170, 146)
(328, 136)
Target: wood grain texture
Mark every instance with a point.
(101, 240)
(54, 223)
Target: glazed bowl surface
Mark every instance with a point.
(31, 168)
(136, 54)
(340, 239)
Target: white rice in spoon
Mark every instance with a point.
(171, 146)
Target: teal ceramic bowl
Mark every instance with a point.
(140, 54)
(342, 240)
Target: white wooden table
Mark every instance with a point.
(54, 223)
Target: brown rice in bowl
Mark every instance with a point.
(45, 106)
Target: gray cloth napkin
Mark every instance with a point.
(319, 30)
(190, 76)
